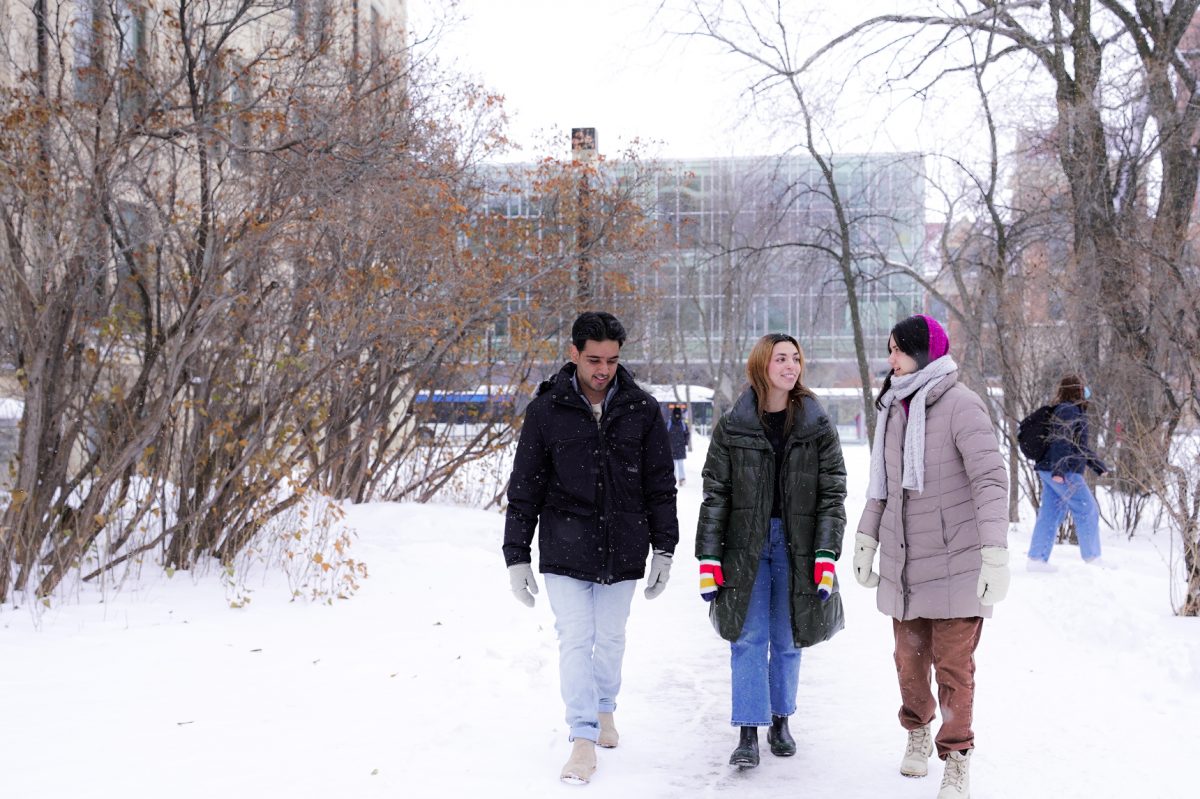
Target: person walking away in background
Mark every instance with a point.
(681, 438)
(1061, 471)
(937, 512)
(593, 474)
(767, 556)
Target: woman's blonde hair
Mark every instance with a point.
(756, 372)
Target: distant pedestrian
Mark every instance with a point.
(770, 529)
(593, 473)
(681, 438)
(1061, 473)
(937, 512)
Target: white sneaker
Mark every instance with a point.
(581, 765)
(1100, 563)
(1035, 565)
(956, 779)
(608, 732)
(917, 752)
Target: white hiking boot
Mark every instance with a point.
(581, 765)
(917, 752)
(608, 732)
(956, 779)
(1038, 565)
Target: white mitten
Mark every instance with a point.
(524, 586)
(660, 570)
(864, 560)
(993, 575)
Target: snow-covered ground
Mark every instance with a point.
(433, 681)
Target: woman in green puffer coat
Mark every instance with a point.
(770, 530)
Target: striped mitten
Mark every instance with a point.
(823, 574)
(711, 578)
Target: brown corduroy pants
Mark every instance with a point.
(948, 645)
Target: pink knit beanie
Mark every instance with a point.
(939, 342)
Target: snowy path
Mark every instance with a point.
(433, 681)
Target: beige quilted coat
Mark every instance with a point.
(929, 542)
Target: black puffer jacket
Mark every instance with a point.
(680, 434)
(600, 496)
(739, 476)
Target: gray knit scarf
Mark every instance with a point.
(918, 383)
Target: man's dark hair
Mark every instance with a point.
(596, 326)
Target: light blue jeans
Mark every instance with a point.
(590, 619)
(765, 659)
(1057, 499)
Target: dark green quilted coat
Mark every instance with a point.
(735, 515)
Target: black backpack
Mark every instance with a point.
(1034, 431)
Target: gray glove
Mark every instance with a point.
(993, 575)
(864, 560)
(660, 570)
(524, 586)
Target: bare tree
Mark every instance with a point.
(233, 248)
(767, 43)
(1122, 80)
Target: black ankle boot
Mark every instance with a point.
(746, 754)
(781, 741)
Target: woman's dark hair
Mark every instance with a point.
(912, 338)
(1070, 390)
(596, 326)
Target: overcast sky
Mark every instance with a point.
(625, 68)
(621, 66)
(592, 63)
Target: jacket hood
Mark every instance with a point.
(743, 417)
(941, 387)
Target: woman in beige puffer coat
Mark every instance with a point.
(937, 513)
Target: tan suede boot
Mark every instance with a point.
(608, 732)
(956, 779)
(917, 752)
(581, 765)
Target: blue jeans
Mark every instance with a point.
(765, 659)
(590, 619)
(1057, 499)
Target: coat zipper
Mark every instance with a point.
(606, 574)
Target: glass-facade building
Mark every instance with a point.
(754, 245)
(747, 246)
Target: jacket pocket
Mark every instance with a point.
(801, 530)
(723, 613)
(576, 472)
(802, 575)
(814, 621)
(735, 568)
(629, 536)
(568, 540)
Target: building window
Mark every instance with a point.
(376, 36)
(130, 47)
(240, 117)
(311, 20)
(131, 32)
(86, 47)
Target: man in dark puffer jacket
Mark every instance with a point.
(593, 473)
